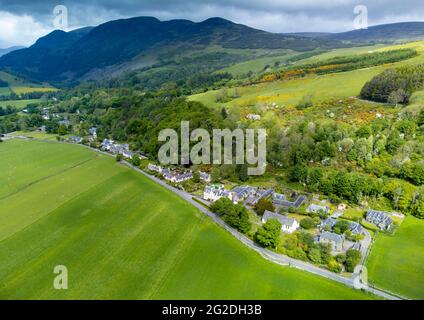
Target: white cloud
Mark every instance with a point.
(19, 30)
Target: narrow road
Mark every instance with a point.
(265, 253)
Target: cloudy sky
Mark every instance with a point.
(23, 21)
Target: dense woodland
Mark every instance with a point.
(394, 85)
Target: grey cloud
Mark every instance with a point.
(271, 15)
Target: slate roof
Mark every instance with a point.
(315, 208)
(379, 218)
(330, 236)
(285, 221)
(280, 200)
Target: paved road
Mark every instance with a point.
(267, 254)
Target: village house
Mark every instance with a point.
(288, 225)
(205, 176)
(154, 168)
(314, 208)
(253, 117)
(379, 218)
(215, 192)
(93, 132)
(242, 192)
(355, 228)
(106, 144)
(75, 139)
(65, 122)
(280, 200)
(335, 240)
(253, 199)
(175, 177)
(127, 154)
(328, 224)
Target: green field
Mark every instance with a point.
(4, 91)
(122, 236)
(20, 86)
(396, 262)
(20, 104)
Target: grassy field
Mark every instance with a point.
(121, 236)
(20, 104)
(290, 92)
(35, 135)
(30, 89)
(20, 86)
(4, 91)
(396, 262)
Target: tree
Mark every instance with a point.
(298, 173)
(268, 235)
(307, 223)
(353, 257)
(326, 255)
(315, 255)
(263, 205)
(334, 266)
(341, 226)
(118, 158)
(62, 130)
(136, 161)
(224, 113)
(398, 96)
(196, 177)
(221, 206)
(238, 218)
(241, 171)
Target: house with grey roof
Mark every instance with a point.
(205, 176)
(334, 239)
(280, 200)
(355, 228)
(379, 218)
(75, 139)
(328, 224)
(93, 132)
(288, 225)
(242, 192)
(215, 192)
(314, 208)
(154, 168)
(253, 199)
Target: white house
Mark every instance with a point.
(154, 168)
(288, 225)
(253, 117)
(127, 154)
(216, 192)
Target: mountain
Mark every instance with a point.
(403, 31)
(7, 50)
(64, 57)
